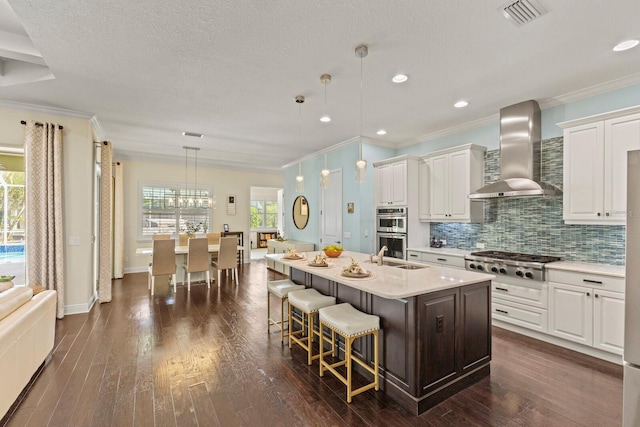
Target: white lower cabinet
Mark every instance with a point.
(590, 315)
(523, 303)
(437, 260)
(571, 313)
(278, 247)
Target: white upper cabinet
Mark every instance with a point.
(392, 182)
(595, 166)
(424, 179)
(454, 173)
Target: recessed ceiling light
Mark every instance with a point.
(626, 45)
(196, 135)
(325, 119)
(461, 104)
(400, 78)
(382, 132)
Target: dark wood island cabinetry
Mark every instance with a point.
(432, 345)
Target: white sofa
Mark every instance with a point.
(27, 331)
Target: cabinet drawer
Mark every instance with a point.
(448, 260)
(414, 256)
(519, 314)
(536, 297)
(608, 283)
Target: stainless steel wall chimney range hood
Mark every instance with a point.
(519, 156)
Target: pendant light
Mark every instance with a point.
(300, 178)
(325, 174)
(361, 164)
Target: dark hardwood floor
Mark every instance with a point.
(206, 359)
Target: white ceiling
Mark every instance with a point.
(150, 70)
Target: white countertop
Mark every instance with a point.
(386, 281)
(442, 251)
(585, 267)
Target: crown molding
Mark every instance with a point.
(544, 104)
(97, 128)
(48, 110)
(450, 130)
(346, 142)
(587, 92)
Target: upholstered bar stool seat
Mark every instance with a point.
(281, 289)
(308, 301)
(344, 320)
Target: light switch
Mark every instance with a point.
(366, 233)
(347, 234)
(74, 241)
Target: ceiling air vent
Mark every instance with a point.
(522, 11)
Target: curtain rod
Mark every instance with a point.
(39, 124)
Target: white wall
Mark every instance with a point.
(77, 196)
(223, 182)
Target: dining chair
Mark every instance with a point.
(183, 239)
(198, 260)
(163, 262)
(214, 239)
(161, 237)
(227, 257)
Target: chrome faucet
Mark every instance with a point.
(381, 253)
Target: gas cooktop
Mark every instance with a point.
(515, 256)
(524, 266)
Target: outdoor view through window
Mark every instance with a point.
(12, 219)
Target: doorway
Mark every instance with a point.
(331, 211)
(265, 218)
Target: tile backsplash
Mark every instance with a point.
(535, 225)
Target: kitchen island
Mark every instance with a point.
(435, 337)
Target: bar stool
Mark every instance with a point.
(344, 320)
(279, 288)
(308, 301)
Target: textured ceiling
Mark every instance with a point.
(150, 70)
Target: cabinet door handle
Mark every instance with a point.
(413, 255)
(442, 259)
(502, 311)
(599, 214)
(595, 295)
(502, 289)
(607, 214)
(588, 294)
(592, 281)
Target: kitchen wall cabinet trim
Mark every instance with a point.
(454, 173)
(595, 166)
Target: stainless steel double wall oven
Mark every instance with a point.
(391, 231)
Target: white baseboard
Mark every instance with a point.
(142, 269)
(590, 351)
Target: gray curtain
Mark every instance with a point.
(45, 236)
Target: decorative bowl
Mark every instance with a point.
(332, 254)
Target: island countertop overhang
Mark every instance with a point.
(387, 281)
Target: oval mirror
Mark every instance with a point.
(300, 212)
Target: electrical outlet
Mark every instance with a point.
(347, 234)
(444, 242)
(480, 245)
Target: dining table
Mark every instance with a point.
(183, 250)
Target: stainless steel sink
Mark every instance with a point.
(396, 264)
(409, 266)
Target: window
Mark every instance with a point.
(12, 217)
(169, 209)
(264, 214)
